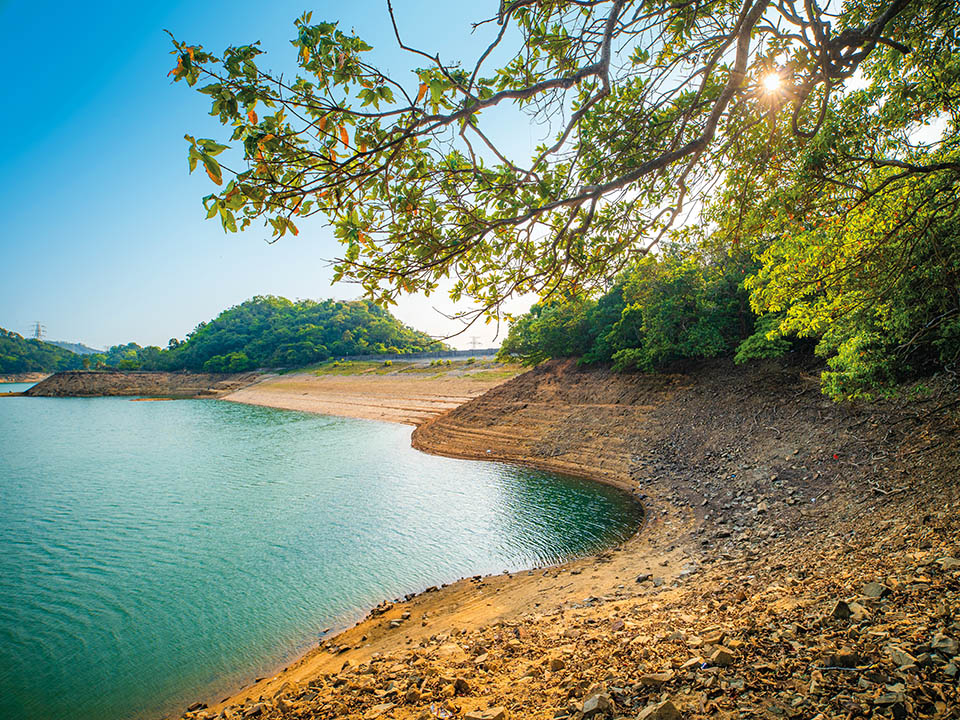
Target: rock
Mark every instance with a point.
(900, 657)
(948, 564)
(713, 637)
(840, 610)
(722, 657)
(378, 710)
(254, 711)
(643, 577)
(495, 713)
(875, 590)
(890, 698)
(596, 705)
(196, 706)
(844, 658)
(448, 691)
(654, 679)
(665, 710)
(395, 624)
(412, 696)
(461, 686)
(555, 664)
(944, 645)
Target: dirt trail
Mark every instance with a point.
(799, 560)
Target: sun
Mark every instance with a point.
(772, 82)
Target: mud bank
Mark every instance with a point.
(98, 383)
(799, 560)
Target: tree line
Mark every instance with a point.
(263, 332)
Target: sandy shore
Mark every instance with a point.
(406, 393)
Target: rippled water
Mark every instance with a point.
(153, 553)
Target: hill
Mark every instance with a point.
(22, 355)
(78, 348)
(268, 331)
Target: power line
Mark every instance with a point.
(39, 330)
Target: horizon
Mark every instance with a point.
(103, 229)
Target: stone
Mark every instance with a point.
(643, 577)
(654, 679)
(495, 713)
(875, 590)
(722, 657)
(254, 711)
(840, 610)
(948, 564)
(378, 710)
(944, 645)
(555, 664)
(844, 658)
(412, 696)
(196, 706)
(900, 657)
(665, 710)
(598, 704)
(891, 698)
(461, 686)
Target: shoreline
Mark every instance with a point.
(765, 504)
(291, 393)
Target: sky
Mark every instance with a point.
(102, 234)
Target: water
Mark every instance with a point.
(155, 553)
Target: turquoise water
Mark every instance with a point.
(156, 553)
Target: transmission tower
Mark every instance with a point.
(39, 330)
(474, 342)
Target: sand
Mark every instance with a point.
(410, 394)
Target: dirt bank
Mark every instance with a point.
(96, 383)
(800, 560)
(404, 392)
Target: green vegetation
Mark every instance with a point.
(267, 332)
(20, 355)
(276, 332)
(816, 148)
(677, 305)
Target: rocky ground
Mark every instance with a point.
(800, 559)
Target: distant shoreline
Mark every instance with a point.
(23, 377)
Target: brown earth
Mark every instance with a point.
(800, 559)
(97, 383)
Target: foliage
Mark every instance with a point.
(21, 355)
(821, 142)
(669, 307)
(276, 332)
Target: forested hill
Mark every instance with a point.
(276, 332)
(263, 332)
(21, 355)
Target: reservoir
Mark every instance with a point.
(157, 553)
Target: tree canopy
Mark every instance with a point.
(821, 141)
(21, 355)
(262, 332)
(276, 332)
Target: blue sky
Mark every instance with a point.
(102, 236)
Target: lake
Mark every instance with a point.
(156, 553)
